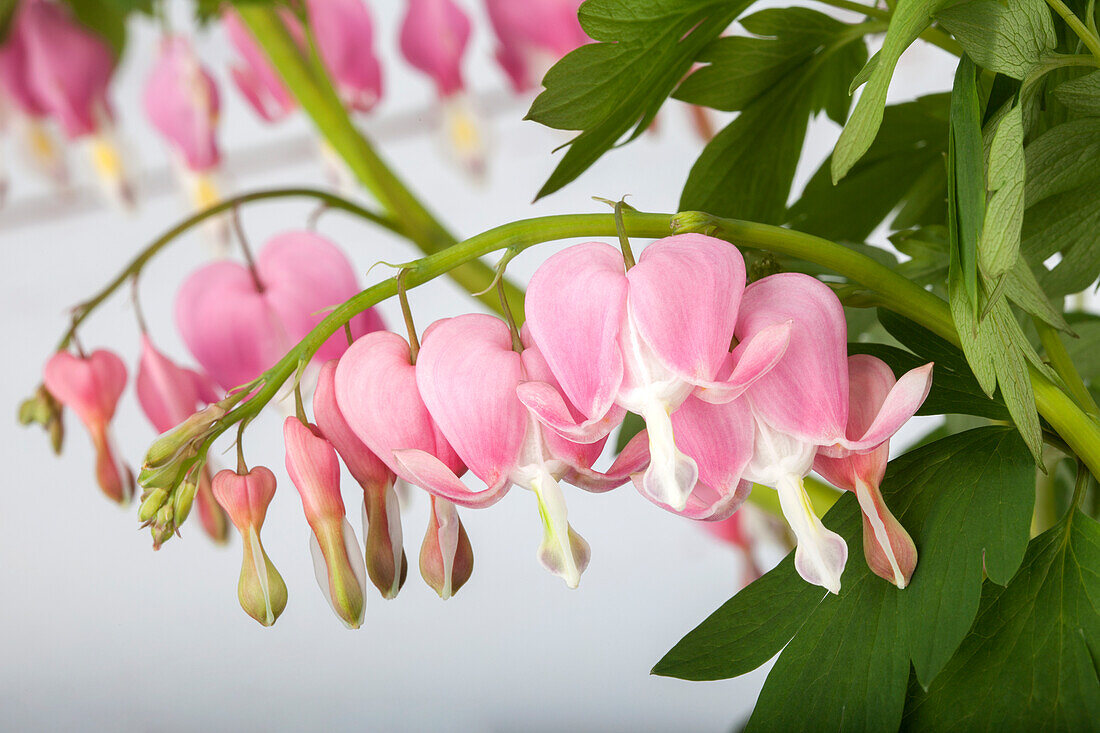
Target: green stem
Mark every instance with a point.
(311, 87)
(935, 36)
(1087, 37)
(84, 309)
(1063, 365)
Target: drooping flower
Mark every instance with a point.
(890, 551)
(245, 498)
(533, 35)
(434, 37)
(467, 373)
(345, 41)
(91, 386)
(169, 395)
(385, 555)
(800, 408)
(236, 331)
(315, 470)
(255, 77)
(643, 340)
(67, 70)
(377, 394)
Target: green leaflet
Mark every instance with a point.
(847, 659)
(1063, 158)
(746, 171)
(1081, 95)
(904, 164)
(966, 179)
(1008, 38)
(632, 425)
(107, 18)
(610, 88)
(1031, 657)
(908, 21)
(999, 243)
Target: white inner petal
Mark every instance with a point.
(821, 553)
(447, 536)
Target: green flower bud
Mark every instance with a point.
(184, 497)
(151, 504)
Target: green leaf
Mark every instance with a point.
(1008, 38)
(1081, 95)
(747, 630)
(904, 164)
(999, 244)
(1024, 290)
(846, 658)
(1030, 662)
(929, 251)
(615, 87)
(1084, 350)
(966, 179)
(1066, 223)
(632, 425)
(747, 169)
(1063, 158)
(907, 22)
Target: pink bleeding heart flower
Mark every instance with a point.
(385, 556)
(245, 497)
(345, 40)
(734, 531)
(434, 34)
(643, 340)
(800, 408)
(236, 331)
(68, 67)
(255, 77)
(468, 373)
(375, 384)
(533, 35)
(181, 100)
(315, 471)
(91, 386)
(168, 395)
(890, 551)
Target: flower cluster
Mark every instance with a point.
(737, 385)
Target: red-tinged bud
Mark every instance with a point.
(446, 557)
(386, 563)
(245, 498)
(214, 520)
(315, 471)
(91, 387)
(890, 551)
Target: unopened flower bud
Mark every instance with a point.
(245, 498)
(182, 501)
(44, 410)
(446, 557)
(315, 471)
(182, 442)
(152, 502)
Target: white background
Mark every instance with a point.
(98, 632)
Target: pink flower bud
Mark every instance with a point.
(236, 331)
(345, 40)
(315, 471)
(387, 565)
(245, 498)
(434, 34)
(91, 388)
(533, 35)
(67, 67)
(181, 100)
(255, 77)
(890, 551)
(446, 557)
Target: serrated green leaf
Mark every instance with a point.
(1008, 38)
(613, 89)
(907, 22)
(1024, 290)
(746, 171)
(904, 164)
(929, 251)
(966, 179)
(1031, 657)
(999, 244)
(1066, 223)
(848, 661)
(1081, 95)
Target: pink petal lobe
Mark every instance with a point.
(633, 459)
(806, 394)
(90, 387)
(575, 306)
(365, 467)
(901, 403)
(377, 394)
(429, 473)
(181, 100)
(168, 394)
(345, 39)
(467, 374)
(314, 469)
(434, 34)
(684, 296)
(751, 360)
